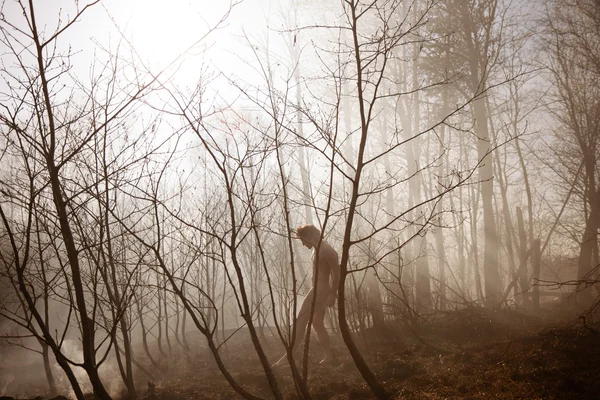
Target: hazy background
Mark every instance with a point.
(188, 139)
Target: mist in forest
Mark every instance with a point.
(174, 176)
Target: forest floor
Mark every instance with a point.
(467, 354)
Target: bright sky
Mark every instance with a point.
(158, 29)
(161, 30)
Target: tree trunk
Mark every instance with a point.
(48, 369)
(490, 254)
(203, 329)
(87, 325)
(527, 187)
(508, 224)
(144, 333)
(439, 230)
(536, 259)
(423, 276)
(186, 346)
(477, 35)
(165, 304)
(129, 381)
(523, 256)
(304, 176)
(474, 264)
(589, 245)
(377, 389)
(374, 303)
(462, 241)
(159, 318)
(60, 359)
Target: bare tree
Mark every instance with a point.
(571, 42)
(377, 32)
(55, 122)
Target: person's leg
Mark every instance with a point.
(300, 324)
(319, 325)
(302, 319)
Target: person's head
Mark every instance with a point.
(309, 235)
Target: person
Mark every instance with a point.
(325, 266)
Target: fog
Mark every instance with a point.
(160, 161)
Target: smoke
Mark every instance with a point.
(22, 373)
(9, 379)
(109, 372)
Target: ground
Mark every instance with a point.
(467, 354)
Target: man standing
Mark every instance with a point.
(325, 265)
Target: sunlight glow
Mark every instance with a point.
(162, 30)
